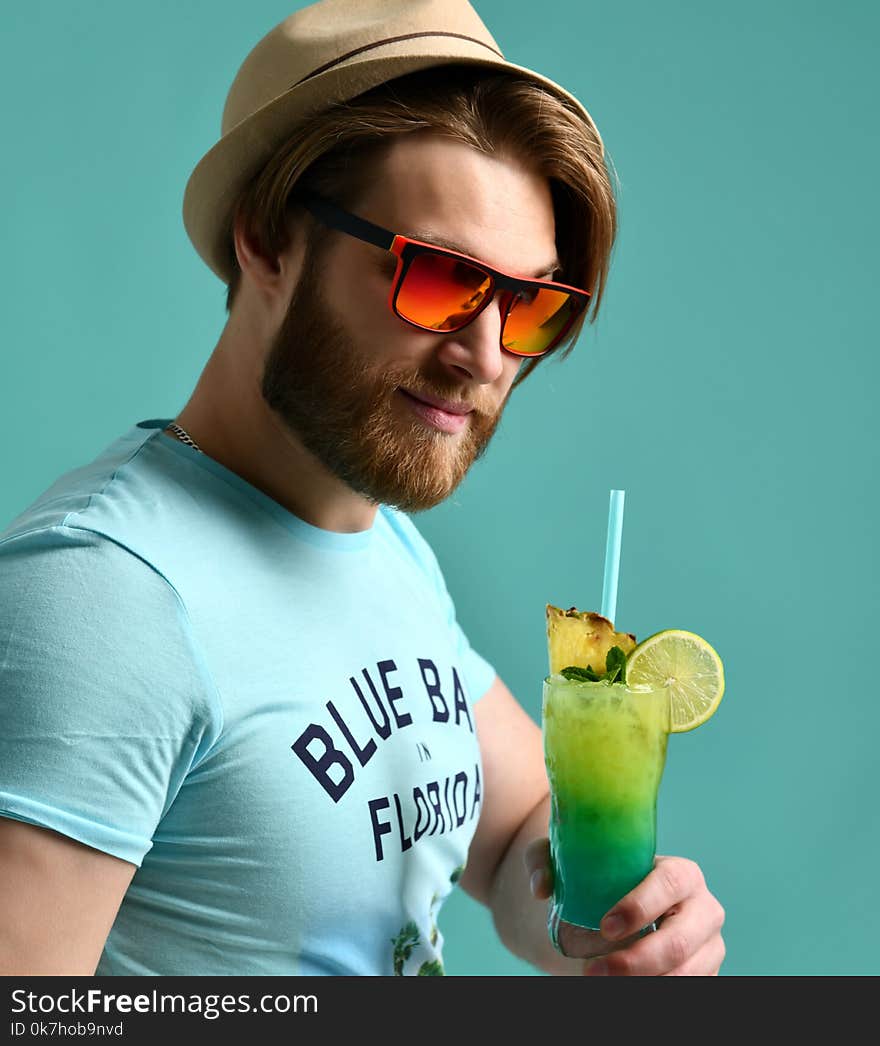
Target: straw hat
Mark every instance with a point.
(327, 52)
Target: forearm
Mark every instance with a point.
(520, 919)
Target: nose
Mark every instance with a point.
(475, 350)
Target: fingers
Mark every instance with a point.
(674, 895)
(672, 881)
(707, 961)
(537, 855)
(688, 941)
(536, 858)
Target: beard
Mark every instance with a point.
(345, 409)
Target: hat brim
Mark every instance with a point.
(224, 171)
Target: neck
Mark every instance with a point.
(228, 418)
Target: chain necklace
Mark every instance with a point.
(184, 436)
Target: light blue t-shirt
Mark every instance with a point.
(274, 722)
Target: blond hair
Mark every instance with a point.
(334, 153)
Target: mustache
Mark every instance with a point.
(479, 400)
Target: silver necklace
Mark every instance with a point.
(184, 436)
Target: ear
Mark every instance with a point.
(272, 276)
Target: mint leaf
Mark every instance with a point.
(615, 665)
(584, 675)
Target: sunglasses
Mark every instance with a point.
(441, 290)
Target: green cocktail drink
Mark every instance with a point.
(605, 749)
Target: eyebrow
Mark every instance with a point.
(451, 245)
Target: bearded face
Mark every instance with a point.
(341, 398)
(358, 386)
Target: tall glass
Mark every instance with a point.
(605, 749)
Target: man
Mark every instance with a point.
(242, 732)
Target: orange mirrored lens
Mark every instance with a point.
(535, 322)
(441, 292)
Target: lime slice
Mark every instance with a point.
(685, 664)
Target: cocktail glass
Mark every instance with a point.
(605, 749)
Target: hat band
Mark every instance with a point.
(391, 40)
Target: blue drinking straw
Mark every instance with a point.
(612, 554)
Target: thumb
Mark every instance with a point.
(536, 858)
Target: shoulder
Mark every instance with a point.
(76, 565)
(75, 606)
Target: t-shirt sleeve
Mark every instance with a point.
(105, 700)
(478, 672)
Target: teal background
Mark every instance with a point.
(728, 387)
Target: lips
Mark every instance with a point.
(439, 414)
(444, 405)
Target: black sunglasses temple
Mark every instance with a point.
(336, 218)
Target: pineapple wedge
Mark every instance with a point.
(582, 638)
